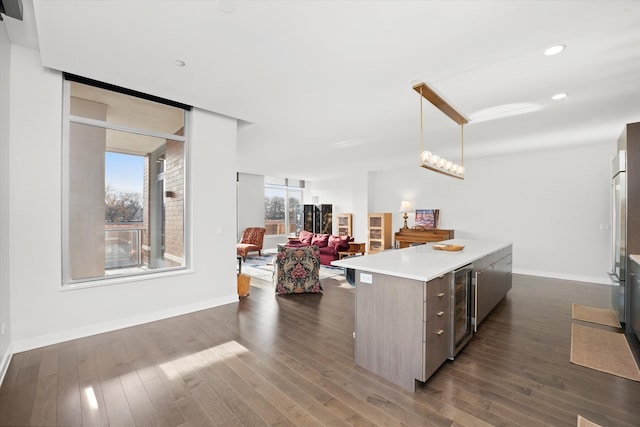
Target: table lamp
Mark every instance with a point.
(405, 207)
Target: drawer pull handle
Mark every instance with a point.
(440, 332)
(440, 314)
(440, 295)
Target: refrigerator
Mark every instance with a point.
(630, 141)
(625, 218)
(618, 271)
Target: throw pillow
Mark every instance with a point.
(305, 237)
(340, 243)
(320, 240)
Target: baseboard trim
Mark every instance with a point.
(4, 366)
(76, 333)
(601, 280)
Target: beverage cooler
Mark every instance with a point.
(462, 302)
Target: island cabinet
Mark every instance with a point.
(492, 281)
(410, 311)
(403, 326)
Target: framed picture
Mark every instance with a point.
(427, 218)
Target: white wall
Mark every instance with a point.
(250, 203)
(5, 267)
(41, 313)
(550, 204)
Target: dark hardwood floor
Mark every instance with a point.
(288, 360)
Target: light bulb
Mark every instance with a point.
(448, 165)
(434, 159)
(461, 170)
(425, 156)
(455, 168)
(441, 162)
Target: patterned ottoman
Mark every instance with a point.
(297, 270)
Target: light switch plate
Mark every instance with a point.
(366, 278)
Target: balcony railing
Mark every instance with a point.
(278, 227)
(122, 248)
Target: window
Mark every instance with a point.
(124, 170)
(282, 206)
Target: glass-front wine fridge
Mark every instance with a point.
(461, 303)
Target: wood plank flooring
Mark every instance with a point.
(288, 361)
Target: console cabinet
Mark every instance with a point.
(379, 232)
(492, 281)
(405, 237)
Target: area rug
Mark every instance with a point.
(262, 268)
(583, 422)
(603, 350)
(600, 316)
(338, 281)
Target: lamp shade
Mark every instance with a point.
(406, 206)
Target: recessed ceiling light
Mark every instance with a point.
(558, 96)
(180, 63)
(554, 50)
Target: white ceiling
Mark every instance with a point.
(324, 87)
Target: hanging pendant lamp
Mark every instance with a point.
(429, 160)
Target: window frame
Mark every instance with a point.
(270, 182)
(67, 283)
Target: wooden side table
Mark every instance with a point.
(354, 249)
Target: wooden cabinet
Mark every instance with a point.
(438, 331)
(403, 327)
(407, 236)
(492, 281)
(379, 232)
(344, 224)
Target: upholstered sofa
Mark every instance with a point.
(328, 244)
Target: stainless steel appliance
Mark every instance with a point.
(619, 236)
(461, 303)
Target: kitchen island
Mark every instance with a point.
(415, 308)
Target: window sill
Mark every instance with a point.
(108, 281)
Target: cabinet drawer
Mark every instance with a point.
(438, 285)
(437, 351)
(438, 303)
(437, 323)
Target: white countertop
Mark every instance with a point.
(422, 262)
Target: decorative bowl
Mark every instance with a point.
(447, 247)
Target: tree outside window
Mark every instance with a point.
(282, 209)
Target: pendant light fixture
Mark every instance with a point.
(429, 160)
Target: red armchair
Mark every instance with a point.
(251, 241)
